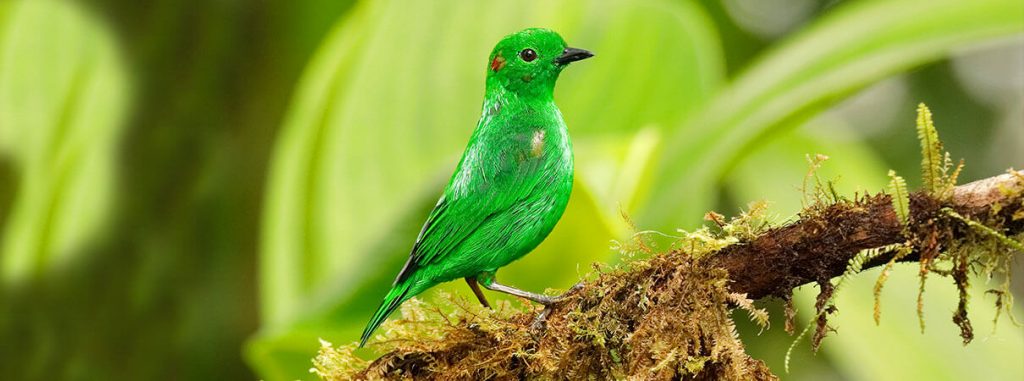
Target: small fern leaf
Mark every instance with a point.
(884, 276)
(902, 250)
(857, 263)
(931, 151)
(951, 180)
(854, 266)
(923, 276)
(757, 315)
(900, 197)
(985, 230)
(789, 351)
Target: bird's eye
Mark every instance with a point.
(528, 55)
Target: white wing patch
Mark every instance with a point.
(537, 143)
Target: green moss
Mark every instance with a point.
(662, 317)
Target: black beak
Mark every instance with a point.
(572, 55)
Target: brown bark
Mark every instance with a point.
(818, 248)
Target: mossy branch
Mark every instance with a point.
(819, 248)
(668, 317)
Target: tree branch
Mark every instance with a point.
(817, 249)
(669, 318)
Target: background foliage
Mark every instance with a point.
(187, 184)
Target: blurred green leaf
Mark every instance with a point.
(388, 103)
(618, 168)
(63, 96)
(852, 167)
(993, 355)
(856, 45)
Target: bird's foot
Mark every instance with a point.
(541, 319)
(565, 295)
(576, 287)
(547, 301)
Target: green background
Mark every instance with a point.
(201, 189)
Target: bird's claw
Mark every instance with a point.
(576, 287)
(565, 295)
(542, 317)
(549, 302)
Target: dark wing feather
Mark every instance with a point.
(415, 256)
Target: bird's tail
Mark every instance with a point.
(398, 294)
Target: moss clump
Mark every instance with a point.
(336, 363)
(661, 318)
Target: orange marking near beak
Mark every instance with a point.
(497, 63)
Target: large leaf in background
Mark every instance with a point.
(63, 94)
(897, 338)
(860, 43)
(386, 107)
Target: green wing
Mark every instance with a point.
(483, 188)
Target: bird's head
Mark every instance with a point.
(528, 62)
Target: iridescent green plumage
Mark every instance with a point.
(513, 181)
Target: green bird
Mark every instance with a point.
(511, 185)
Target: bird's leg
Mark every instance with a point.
(543, 299)
(490, 283)
(541, 319)
(476, 290)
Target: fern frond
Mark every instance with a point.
(853, 267)
(789, 351)
(952, 178)
(857, 263)
(903, 250)
(931, 151)
(982, 229)
(813, 163)
(900, 197)
(758, 315)
(923, 276)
